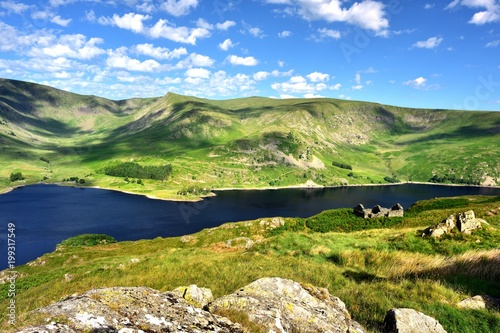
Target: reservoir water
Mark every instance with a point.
(44, 215)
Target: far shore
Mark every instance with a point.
(307, 185)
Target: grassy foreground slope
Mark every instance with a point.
(52, 135)
(382, 266)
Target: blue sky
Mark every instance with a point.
(431, 54)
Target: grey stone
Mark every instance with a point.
(480, 302)
(194, 295)
(281, 305)
(134, 309)
(410, 321)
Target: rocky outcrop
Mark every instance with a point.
(125, 310)
(194, 295)
(480, 302)
(281, 305)
(410, 321)
(465, 222)
(378, 211)
(277, 305)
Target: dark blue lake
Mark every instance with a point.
(44, 215)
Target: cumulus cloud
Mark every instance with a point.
(201, 73)
(225, 25)
(417, 83)
(195, 60)
(494, 43)
(226, 45)
(261, 75)
(430, 43)
(161, 29)
(490, 14)
(318, 77)
(244, 61)
(312, 84)
(366, 14)
(160, 52)
(70, 46)
(329, 33)
(117, 59)
(178, 7)
(14, 7)
(130, 21)
(284, 34)
(60, 21)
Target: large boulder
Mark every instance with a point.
(467, 222)
(194, 295)
(281, 305)
(410, 321)
(124, 310)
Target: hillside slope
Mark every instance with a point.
(50, 134)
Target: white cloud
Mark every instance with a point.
(358, 87)
(337, 86)
(318, 77)
(367, 14)
(119, 60)
(245, 61)
(201, 23)
(299, 85)
(417, 83)
(281, 63)
(195, 60)
(14, 7)
(357, 78)
(60, 21)
(329, 33)
(284, 34)
(489, 15)
(494, 43)
(256, 32)
(226, 45)
(160, 52)
(129, 21)
(429, 5)
(430, 43)
(71, 46)
(178, 7)
(163, 29)
(262, 75)
(225, 25)
(201, 73)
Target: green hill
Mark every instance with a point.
(52, 135)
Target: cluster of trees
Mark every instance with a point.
(342, 165)
(391, 179)
(197, 190)
(15, 176)
(135, 170)
(77, 180)
(454, 180)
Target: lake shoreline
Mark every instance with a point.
(311, 186)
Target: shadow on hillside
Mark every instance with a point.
(461, 133)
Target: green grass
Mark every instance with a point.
(238, 143)
(371, 268)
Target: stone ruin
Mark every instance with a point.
(378, 211)
(465, 223)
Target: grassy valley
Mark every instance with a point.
(54, 136)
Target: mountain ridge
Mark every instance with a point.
(242, 142)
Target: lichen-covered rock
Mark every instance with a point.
(467, 222)
(125, 310)
(194, 295)
(282, 305)
(410, 321)
(480, 302)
